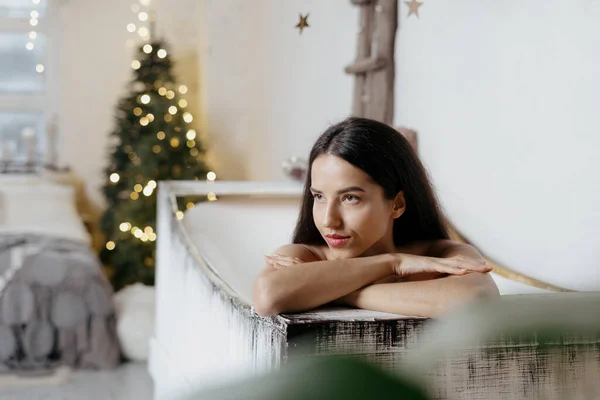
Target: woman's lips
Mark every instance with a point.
(337, 240)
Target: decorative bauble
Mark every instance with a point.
(295, 168)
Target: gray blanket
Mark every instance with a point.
(55, 306)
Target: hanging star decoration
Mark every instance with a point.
(303, 22)
(413, 6)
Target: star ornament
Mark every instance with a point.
(303, 22)
(413, 7)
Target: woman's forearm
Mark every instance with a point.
(313, 284)
(429, 298)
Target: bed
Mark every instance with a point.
(55, 302)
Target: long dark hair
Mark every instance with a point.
(389, 159)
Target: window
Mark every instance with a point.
(23, 51)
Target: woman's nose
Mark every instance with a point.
(332, 218)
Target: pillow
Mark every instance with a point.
(32, 205)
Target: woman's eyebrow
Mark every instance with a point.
(345, 190)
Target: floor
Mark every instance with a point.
(129, 382)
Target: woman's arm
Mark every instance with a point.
(427, 298)
(297, 280)
(314, 282)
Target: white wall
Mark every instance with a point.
(94, 67)
(505, 96)
(267, 90)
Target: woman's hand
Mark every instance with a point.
(408, 264)
(279, 261)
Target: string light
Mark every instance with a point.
(33, 34)
(183, 103)
(194, 152)
(191, 134)
(152, 184)
(137, 111)
(162, 53)
(168, 118)
(211, 176)
(114, 177)
(145, 99)
(170, 95)
(173, 110)
(191, 144)
(189, 205)
(138, 188)
(174, 142)
(145, 2)
(211, 196)
(135, 8)
(143, 31)
(179, 215)
(147, 49)
(162, 91)
(110, 245)
(187, 117)
(134, 196)
(136, 64)
(143, 16)
(183, 89)
(150, 117)
(131, 28)
(156, 149)
(125, 226)
(160, 135)
(144, 121)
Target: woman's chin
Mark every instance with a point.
(343, 254)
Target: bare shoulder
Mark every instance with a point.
(304, 252)
(418, 248)
(436, 248)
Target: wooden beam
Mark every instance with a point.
(366, 65)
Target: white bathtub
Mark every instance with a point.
(206, 331)
(234, 233)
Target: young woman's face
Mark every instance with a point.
(350, 210)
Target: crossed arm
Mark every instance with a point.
(428, 285)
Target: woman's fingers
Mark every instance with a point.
(280, 261)
(462, 265)
(447, 269)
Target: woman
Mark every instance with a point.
(370, 234)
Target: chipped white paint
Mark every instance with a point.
(207, 333)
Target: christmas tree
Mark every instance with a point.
(152, 141)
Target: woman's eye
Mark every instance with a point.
(317, 196)
(351, 198)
